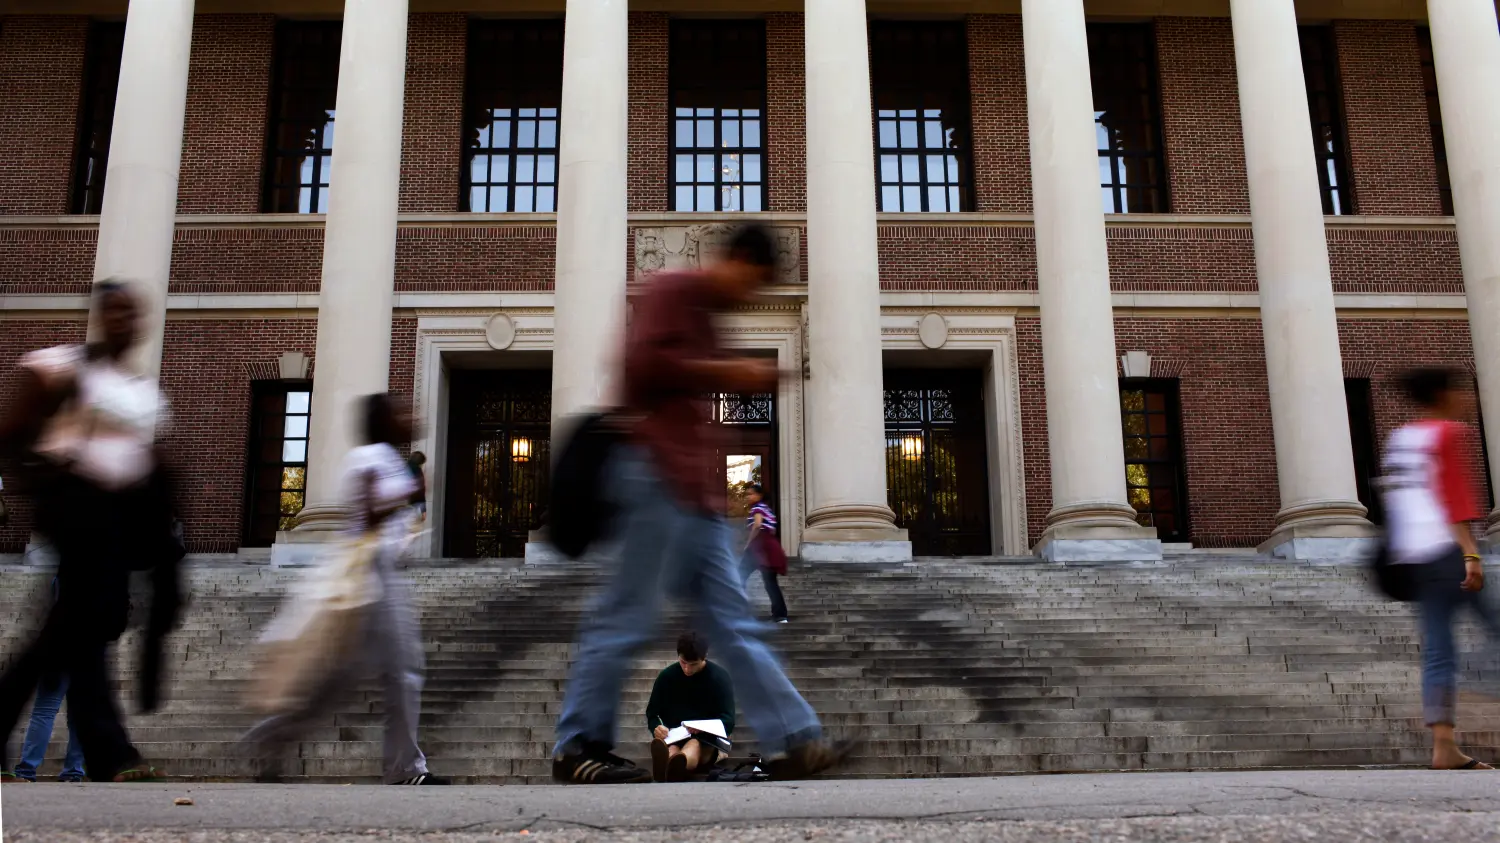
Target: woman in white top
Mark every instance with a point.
(84, 428)
(376, 488)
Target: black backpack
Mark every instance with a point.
(579, 510)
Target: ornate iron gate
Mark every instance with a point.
(498, 461)
(937, 465)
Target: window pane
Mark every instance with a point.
(920, 85)
(684, 169)
(546, 199)
(752, 198)
(684, 137)
(730, 170)
(705, 133)
(477, 199)
(294, 451)
(729, 198)
(479, 170)
(705, 168)
(298, 402)
(705, 199)
(730, 133)
(684, 198)
(752, 169)
(752, 134)
(513, 93)
(296, 427)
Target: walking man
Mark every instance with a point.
(675, 539)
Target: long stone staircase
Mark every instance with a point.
(942, 667)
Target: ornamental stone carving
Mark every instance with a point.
(672, 247)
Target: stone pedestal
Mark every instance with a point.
(1320, 510)
(1090, 519)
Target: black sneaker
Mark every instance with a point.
(596, 766)
(425, 779)
(809, 759)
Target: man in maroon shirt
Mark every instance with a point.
(674, 539)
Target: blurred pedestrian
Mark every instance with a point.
(417, 465)
(377, 488)
(763, 550)
(84, 427)
(1431, 500)
(49, 699)
(674, 535)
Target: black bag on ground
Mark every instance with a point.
(1398, 582)
(579, 509)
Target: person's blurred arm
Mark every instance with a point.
(658, 357)
(1460, 498)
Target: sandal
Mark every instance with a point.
(1471, 764)
(135, 775)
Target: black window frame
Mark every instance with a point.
(687, 85)
(906, 81)
(1118, 54)
(284, 197)
(1330, 132)
(1435, 120)
(96, 115)
(258, 442)
(1171, 390)
(511, 64)
(1359, 401)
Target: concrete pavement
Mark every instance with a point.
(1324, 805)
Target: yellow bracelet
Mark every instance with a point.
(1476, 557)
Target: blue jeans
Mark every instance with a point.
(669, 550)
(1440, 601)
(49, 698)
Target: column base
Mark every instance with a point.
(853, 533)
(300, 548)
(1321, 544)
(1324, 531)
(1126, 542)
(541, 552)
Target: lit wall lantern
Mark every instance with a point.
(911, 447)
(520, 449)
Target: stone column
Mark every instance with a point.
(1466, 46)
(848, 518)
(359, 251)
(1090, 519)
(589, 301)
(1320, 512)
(145, 151)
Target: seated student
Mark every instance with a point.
(691, 689)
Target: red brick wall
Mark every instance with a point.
(1229, 447)
(224, 135)
(403, 359)
(1410, 261)
(1201, 116)
(432, 130)
(647, 154)
(17, 338)
(251, 260)
(1036, 456)
(1385, 109)
(511, 257)
(786, 112)
(47, 260)
(205, 377)
(41, 74)
(1384, 348)
(997, 80)
(957, 257)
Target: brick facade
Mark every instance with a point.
(224, 131)
(1229, 451)
(647, 153)
(786, 113)
(432, 129)
(1200, 111)
(997, 105)
(41, 79)
(1385, 111)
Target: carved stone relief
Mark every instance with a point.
(671, 247)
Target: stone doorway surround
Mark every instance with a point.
(930, 326)
(520, 326)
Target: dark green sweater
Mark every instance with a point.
(706, 695)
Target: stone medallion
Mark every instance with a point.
(933, 330)
(500, 331)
